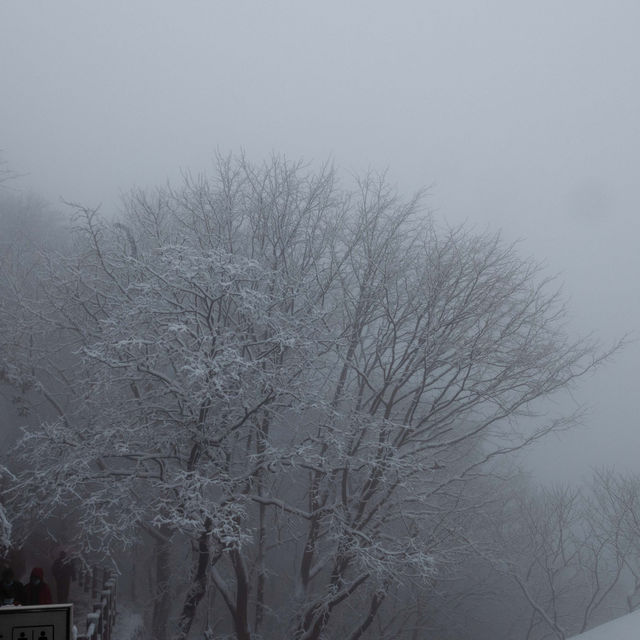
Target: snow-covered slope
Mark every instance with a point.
(624, 628)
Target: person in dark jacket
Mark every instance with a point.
(11, 590)
(37, 591)
(64, 572)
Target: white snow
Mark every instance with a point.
(129, 625)
(624, 628)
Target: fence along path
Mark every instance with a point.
(95, 604)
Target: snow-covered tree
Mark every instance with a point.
(5, 524)
(302, 383)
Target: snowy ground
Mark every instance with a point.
(82, 605)
(624, 628)
(129, 625)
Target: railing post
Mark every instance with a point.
(100, 625)
(101, 622)
(104, 601)
(93, 620)
(111, 589)
(94, 582)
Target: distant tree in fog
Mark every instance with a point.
(565, 566)
(614, 505)
(27, 226)
(6, 174)
(303, 384)
(551, 562)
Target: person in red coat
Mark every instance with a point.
(37, 591)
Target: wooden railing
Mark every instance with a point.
(100, 622)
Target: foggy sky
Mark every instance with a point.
(520, 115)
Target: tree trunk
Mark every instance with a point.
(198, 586)
(241, 617)
(261, 442)
(162, 599)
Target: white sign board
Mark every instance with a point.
(43, 622)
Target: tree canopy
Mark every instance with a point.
(301, 382)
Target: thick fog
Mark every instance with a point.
(278, 398)
(519, 116)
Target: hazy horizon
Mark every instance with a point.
(518, 117)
